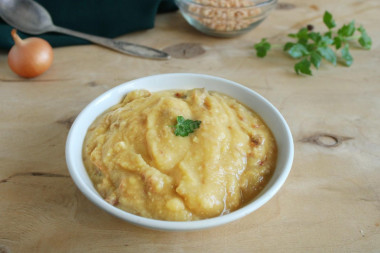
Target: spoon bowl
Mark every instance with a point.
(35, 19)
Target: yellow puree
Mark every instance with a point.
(138, 164)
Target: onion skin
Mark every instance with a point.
(30, 57)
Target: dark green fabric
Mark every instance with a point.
(107, 18)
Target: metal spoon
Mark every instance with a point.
(30, 17)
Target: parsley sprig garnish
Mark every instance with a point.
(185, 126)
(311, 47)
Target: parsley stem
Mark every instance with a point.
(352, 38)
(276, 46)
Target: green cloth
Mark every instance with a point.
(97, 17)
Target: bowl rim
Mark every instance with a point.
(254, 3)
(94, 197)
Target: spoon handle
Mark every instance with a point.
(120, 46)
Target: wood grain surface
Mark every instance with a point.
(330, 202)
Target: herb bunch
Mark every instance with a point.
(311, 47)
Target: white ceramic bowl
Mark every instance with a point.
(263, 107)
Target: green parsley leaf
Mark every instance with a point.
(288, 45)
(328, 34)
(262, 48)
(315, 59)
(347, 30)
(185, 127)
(328, 20)
(315, 36)
(311, 47)
(346, 55)
(302, 35)
(364, 40)
(298, 50)
(337, 42)
(303, 67)
(325, 40)
(328, 54)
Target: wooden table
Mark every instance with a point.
(330, 202)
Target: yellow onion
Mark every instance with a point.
(29, 57)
